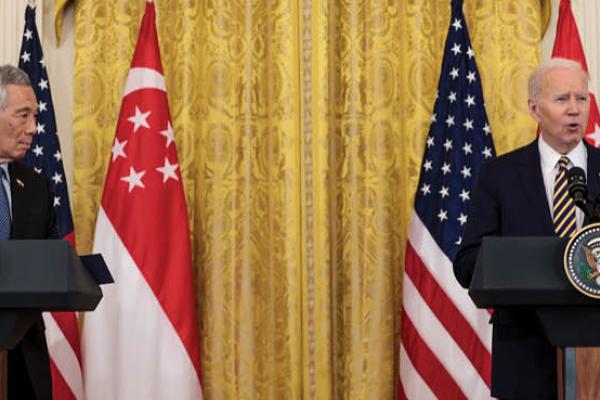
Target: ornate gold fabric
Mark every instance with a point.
(300, 127)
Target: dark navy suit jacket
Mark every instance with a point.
(509, 199)
(33, 217)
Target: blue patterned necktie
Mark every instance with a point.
(4, 209)
(565, 222)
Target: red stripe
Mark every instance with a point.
(400, 395)
(67, 322)
(70, 237)
(426, 364)
(450, 316)
(60, 389)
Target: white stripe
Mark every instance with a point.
(440, 268)
(441, 344)
(144, 78)
(412, 383)
(64, 357)
(130, 348)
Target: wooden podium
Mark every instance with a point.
(528, 272)
(43, 275)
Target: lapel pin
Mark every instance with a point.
(20, 183)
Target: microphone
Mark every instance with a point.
(577, 187)
(578, 191)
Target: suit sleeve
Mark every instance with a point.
(484, 220)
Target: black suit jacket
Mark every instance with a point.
(509, 199)
(33, 217)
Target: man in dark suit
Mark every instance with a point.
(30, 216)
(514, 196)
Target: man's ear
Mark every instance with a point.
(533, 110)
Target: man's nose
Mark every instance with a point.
(574, 107)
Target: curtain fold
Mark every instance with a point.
(300, 128)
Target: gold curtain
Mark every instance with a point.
(300, 127)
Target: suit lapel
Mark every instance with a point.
(532, 185)
(18, 199)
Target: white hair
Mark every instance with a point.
(536, 78)
(10, 75)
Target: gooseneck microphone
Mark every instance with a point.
(578, 190)
(577, 186)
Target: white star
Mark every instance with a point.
(38, 150)
(468, 124)
(168, 133)
(118, 149)
(57, 178)
(454, 73)
(471, 77)
(41, 128)
(487, 129)
(456, 24)
(430, 141)
(28, 34)
(433, 118)
(466, 172)
(41, 106)
(38, 170)
(595, 136)
(442, 215)
(487, 152)
(456, 49)
(58, 156)
(450, 120)
(444, 191)
(134, 179)
(427, 165)
(462, 219)
(464, 195)
(458, 241)
(452, 97)
(42, 63)
(448, 144)
(139, 119)
(43, 84)
(467, 148)
(446, 168)
(168, 171)
(470, 52)
(56, 201)
(26, 57)
(426, 189)
(470, 100)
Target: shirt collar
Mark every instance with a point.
(549, 157)
(4, 166)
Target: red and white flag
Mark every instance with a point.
(142, 341)
(567, 44)
(62, 328)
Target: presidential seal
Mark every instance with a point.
(582, 260)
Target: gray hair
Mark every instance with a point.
(10, 75)
(536, 78)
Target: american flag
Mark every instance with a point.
(62, 329)
(445, 349)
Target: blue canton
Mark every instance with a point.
(44, 155)
(459, 141)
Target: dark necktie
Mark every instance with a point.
(565, 223)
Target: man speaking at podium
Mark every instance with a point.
(26, 212)
(523, 193)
